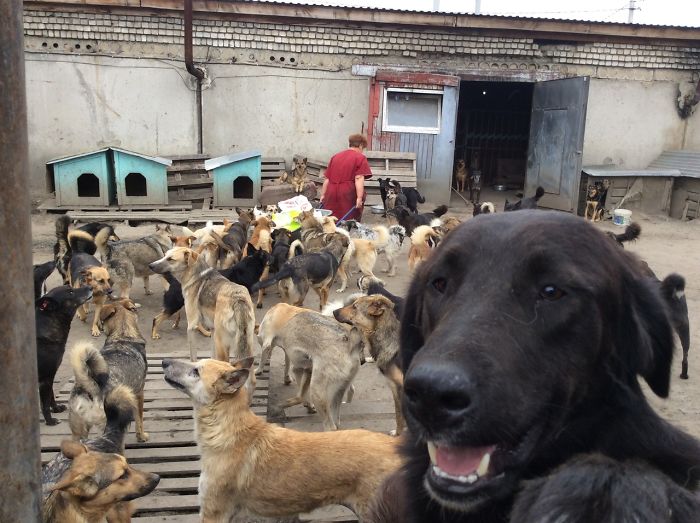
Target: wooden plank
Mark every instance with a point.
(181, 518)
(166, 503)
(188, 485)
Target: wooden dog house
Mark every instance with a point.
(237, 178)
(82, 179)
(140, 179)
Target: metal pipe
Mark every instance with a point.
(20, 461)
(194, 71)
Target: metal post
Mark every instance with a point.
(197, 73)
(632, 8)
(20, 462)
(436, 5)
(477, 7)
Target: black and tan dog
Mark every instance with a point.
(596, 196)
(53, 314)
(251, 465)
(121, 361)
(88, 481)
(86, 270)
(374, 315)
(213, 302)
(461, 175)
(522, 382)
(410, 221)
(529, 202)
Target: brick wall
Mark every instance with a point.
(344, 41)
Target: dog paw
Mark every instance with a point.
(310, 409)
(259, 306)
(155, 336)
(369, 359)
(258, 371)
(684, 376)
(59, 408)
(51, 422)
(143, 437)
(287, 380)
(96, 333)
(393, 433)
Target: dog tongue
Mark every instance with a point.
(460, 461)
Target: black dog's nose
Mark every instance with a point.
(166, 363)
(438, 395)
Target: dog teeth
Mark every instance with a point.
(484, 465)
(470, 479)
(432, 451)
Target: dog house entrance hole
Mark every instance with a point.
(243, 188)
(88, 186)
(135, 184)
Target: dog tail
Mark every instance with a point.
(632, 232)
(120, 410)
(81, 241)
(673, 287)
(104, 235)
(220, 241)
(62, 245)
(539, 193)
(488, 208)
(89, 367)
(295, 249)
(285, 272)
(439, 211)
(382, 236)
(421, 198)
(422, 234)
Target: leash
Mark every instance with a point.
(346, 214)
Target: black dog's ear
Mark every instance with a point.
(251, 249)
(46, 304)
(411, 335)
(645, 334)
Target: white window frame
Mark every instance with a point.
(406, 129)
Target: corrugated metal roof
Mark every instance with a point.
(229, 158)
(610, 171)
(458, 13)
(687, 162)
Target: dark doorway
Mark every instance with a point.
(135, 184)
(243, 188)
(88, 186)
(493, 131)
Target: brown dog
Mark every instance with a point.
(94, 485)
(249, 464)
(374, 315)
(261, 239)
(85, 269)
(461, 175)
(299, 172)
(424, 239)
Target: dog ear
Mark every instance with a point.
(645, 334)
(157, 228)
(271, 223)
(190, 257)
(245, 363)
(108, 310)
(230, 381)
(167, 229)
(251, 249)
(378, 306)
(78, 485)
(46, 304)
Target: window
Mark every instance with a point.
(135, 184)
(243, 188)
(412, 110)
(88, 186)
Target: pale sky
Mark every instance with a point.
(657, 12)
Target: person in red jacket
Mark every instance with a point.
(344, 186)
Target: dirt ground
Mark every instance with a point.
(667, 245)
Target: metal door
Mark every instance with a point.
(556, 141)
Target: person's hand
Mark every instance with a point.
(358, 203)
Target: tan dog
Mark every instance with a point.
(299, 173)
(461, 175)
(84, 269)
(424, 239)
(374, 315)
(251, 465)
(324, 355)
(94, 485)
(261, 239)
(212, 301)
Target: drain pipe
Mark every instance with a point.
(194, 71)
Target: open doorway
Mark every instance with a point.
(493, 134)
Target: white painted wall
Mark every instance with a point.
(629, 123)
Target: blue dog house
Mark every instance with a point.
(236, 178)
(82, 179)
(140, 179)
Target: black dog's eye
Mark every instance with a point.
(439, 284)
(551, 293)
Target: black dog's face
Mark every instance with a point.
(63, 298)
(500, 349)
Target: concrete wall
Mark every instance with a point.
(630, 122)
(282, 112)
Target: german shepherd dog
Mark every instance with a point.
(41, 272)
(299, 174)
(410, 221)
(529, 396)
(314, 270)
(596, 196)
(88, 481)
(126, 259)
(673, 291)
(121, 361)
(324, 356)
(525, 203)
(53, 314)
(233, 239)
(212, 302)
(269, 471)
(85, 269)
(281, 240)
(461, 174)
(375, 316)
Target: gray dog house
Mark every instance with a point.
(82, 179)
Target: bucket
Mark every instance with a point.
(622, 217)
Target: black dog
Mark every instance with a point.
(247, 272)
(525, 203)
(384, 186)
(53, 313)
(410, 221)
(281, 240)
(672, 290)
(413, 198)
(542, 369)
(41, 273)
